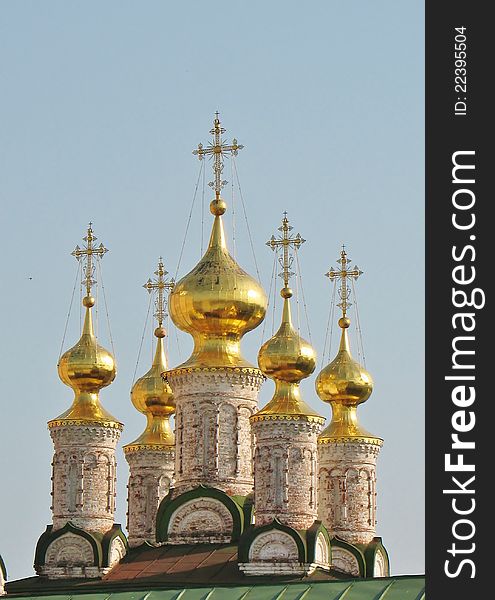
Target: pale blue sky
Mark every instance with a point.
(101, 106)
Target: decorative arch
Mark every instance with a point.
(319, 549)
(114, 546)
(377, 559)
(280, 535)
(348, 558)
(202, 500)
(89, 546)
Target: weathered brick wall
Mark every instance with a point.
(347, 489)
(214, 443)
(285, 472)
(84, 476)
(151, 475)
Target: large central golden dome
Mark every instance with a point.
(217, 303)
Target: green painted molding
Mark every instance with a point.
(3, 568)
(337, 542)
(370, 551)
(311, 537)
(169, 505)
(106, 542)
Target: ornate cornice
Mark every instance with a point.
(84, 423)
(351, 440)
(275, 417)
(148, 448)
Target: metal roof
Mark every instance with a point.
(389, 588)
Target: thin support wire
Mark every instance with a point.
(233, 207)
(70, 309)
(142, 339)
(178, 344)
(299, 274)
(202, 212)
(100, 275)
(358, 325)
(246, 219)
(274, 297)
(269, 297)
(298, 312)
(189, 220)
(331, 313)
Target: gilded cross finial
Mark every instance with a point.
(285, 241)
(343, 273)
(217, 148)
(87, 254)
(158, 285)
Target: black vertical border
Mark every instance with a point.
(447, 133)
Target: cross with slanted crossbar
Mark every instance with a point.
(217, 148)
(343, 273)
(159, 285)
(285, 242)
(86, 254)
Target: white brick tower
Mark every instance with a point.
(216, 389)
(151, 457)
(84, 466)
(286, 429)
(347, 452)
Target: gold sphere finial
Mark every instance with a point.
(286, 292)
(344, 322)
(218, 206)
(88, 301)
(160, 332)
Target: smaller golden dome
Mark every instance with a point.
(87, 368)
(345, 384)
(286, 355)
(152, 396)
(287, 359)
(344, 379)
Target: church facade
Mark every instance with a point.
(285, 495)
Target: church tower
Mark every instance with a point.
(83, 540)
(286, 538)
(216, 389)
(347, 452)
(151, 457)
(285, 464)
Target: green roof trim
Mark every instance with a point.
(169, 505)
(3, 568)
(410, 587)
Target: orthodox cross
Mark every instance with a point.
(159, 285)
(285, 242)
(86, 254)
(343, 273)
(218, 149)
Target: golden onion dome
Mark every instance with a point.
(217, 303)
(345, 384)
(152, 396)
(87, 368)
(287, 359)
